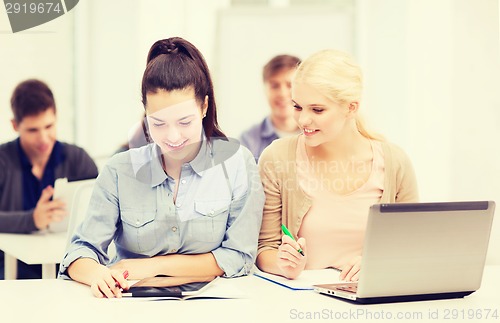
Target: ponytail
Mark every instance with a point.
(360, 125)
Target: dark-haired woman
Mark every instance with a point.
(188, 204)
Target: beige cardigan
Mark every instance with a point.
(287, 204)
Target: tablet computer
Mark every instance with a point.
(169, 287)
(64, 191)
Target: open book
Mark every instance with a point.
(181, 288)
(306, 279)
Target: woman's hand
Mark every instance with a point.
(138, 268)
(350, 271)
(290, 261)
(108, 283)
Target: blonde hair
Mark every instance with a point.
(336, 75)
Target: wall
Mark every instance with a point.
(475, 111)
(432, 73)
(111, 57)
(36, 53)
(247, 38)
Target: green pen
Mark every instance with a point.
(285, 231)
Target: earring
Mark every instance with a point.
(204, 115)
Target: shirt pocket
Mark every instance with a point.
(139, 230)
(210, 224)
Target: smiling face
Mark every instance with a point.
(278, 92)
(321, 119)
(175, 122)
(37, 134)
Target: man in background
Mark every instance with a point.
(277, 75)
(30, 164)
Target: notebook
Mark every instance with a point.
(184, 288)
(306, 280)
(420, 251)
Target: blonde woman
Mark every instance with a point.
(321, 183)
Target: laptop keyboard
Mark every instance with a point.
(351, 288)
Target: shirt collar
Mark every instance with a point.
(56, 156)
(25, 162)
(202, 161)
(158, 175)
(268, 130)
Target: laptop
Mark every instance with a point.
(420, 251)
(65, 191)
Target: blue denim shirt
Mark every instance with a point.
(218, 209)
(259, 136)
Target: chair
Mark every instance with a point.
(79, 207)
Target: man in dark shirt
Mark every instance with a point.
(30, 164)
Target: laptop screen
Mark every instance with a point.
(422, 248)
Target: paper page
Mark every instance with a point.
(221, 288)
(306, 280)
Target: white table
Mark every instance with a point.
(42, 248)
(63, 301)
